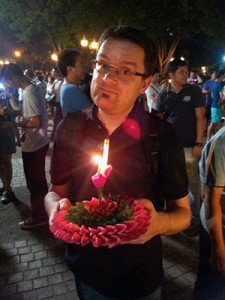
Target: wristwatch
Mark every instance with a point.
(199, 144)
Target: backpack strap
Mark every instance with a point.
(151, 134)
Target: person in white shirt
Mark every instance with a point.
(153, 90)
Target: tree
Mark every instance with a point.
(60, 24)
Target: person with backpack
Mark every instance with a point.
(147, 165)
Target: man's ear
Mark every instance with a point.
(145, 84)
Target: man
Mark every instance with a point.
(216, 107)
(72, 98)
(34, 142)
(7, 146)
(132, 270)
(153, 90)
(182, 105)
(56, 107)
(207, 91)
(210, 283)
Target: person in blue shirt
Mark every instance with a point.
(216, 108)
(207, 91)
(72, 98)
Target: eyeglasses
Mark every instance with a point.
(122, 73)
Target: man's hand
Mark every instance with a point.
(64, 203)
(175, 219)
(197, 151)
(153, 227)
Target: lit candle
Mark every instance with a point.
(103, 162)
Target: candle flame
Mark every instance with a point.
(102, 160)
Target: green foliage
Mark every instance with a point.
(81, 216)
(60, 24)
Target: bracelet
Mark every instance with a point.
(199, 144)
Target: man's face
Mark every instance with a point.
(111, 93)
(155, 78)
(76, 72)
(180, 76)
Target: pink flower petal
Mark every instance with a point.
(85, 240)
(110, 229)
(99, 179)
(121, 227)
(76, 238)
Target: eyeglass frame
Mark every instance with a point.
(95, 61)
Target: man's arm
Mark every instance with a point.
(200, 128)
(213, 215)
(175, 219)
(32, 122)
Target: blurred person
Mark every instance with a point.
(216, 107)
(207, 91)
(7, 147)
(210, 284)
(182, 105)
(34, 143)
(72, 98)
(30, 74)
(153, 90)
(50, 95)
(134, 269)
(195, 78)
(40, 82)
(57, 111)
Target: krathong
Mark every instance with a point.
(106, 221)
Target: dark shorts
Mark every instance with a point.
(7, 141)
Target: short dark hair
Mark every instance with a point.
(219, 73)
(29, 73)
(67, 58)
(133, 35)
(11, 70)
(174, 65)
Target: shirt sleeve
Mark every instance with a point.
(211, 165)
(198, 97)
(33, 103)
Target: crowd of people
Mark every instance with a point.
(185, 117)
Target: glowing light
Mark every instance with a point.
(203, 68)
(84, 42)
(182, 58)
(17, 53)
(1, 62)
(102, 161)
(54, 57)
(94, 45)
(6, 62)
(97, 159)
(172, 59)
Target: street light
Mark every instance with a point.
(84, 42)
(92, 45)
(54, 57)
(17, 53)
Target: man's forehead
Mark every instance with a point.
(125, 51)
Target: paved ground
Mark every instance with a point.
(32, 264)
